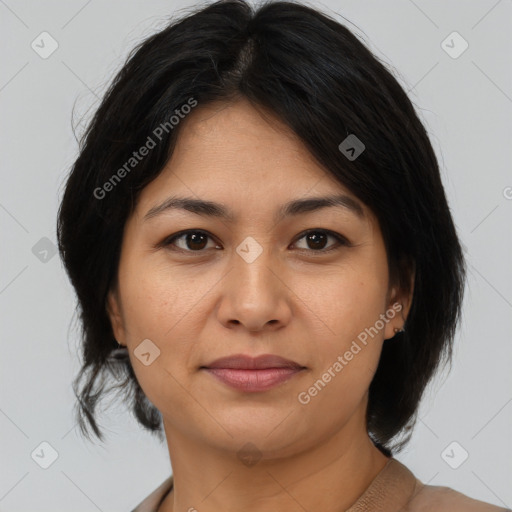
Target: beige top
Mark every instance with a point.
(394, 489)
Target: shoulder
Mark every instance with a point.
(429, 498)
(151, 502)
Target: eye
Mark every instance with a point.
(194, 240)
(316, 240)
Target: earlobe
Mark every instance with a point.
(400, 303)
(395, 319)
(397, 312)
(116, 320)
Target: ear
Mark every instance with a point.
(113, 307)
(398, 307)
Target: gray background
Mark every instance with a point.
(466, 104)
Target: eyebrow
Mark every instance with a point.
(292, 208)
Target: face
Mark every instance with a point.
(310, 285)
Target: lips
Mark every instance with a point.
(244, 362)
(253, 374)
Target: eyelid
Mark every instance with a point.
(340, 240)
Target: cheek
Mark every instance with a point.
(347, 351)
(156, 301)
(159, 309)
(344, 303)
(348, 306)
(167, 309)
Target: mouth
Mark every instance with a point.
(253, 381)
(253, 374)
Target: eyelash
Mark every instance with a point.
(340, 240)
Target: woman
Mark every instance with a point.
(265, 260)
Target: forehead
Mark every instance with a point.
(239, 117)
(245, 158)
(221, 135)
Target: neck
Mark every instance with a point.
(331, 475)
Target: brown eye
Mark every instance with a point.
(191, 241)
(316, 240)
(197, 241)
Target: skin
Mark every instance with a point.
(292, 300)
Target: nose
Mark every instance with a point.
(254, 296)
